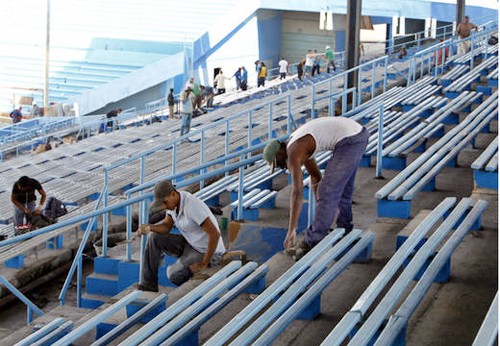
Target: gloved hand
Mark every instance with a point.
(143, 230)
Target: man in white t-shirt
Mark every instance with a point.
(198, 246)
(283, 68)
(333, 190)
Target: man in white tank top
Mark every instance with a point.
(347, 140)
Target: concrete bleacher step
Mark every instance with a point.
(102, 284)
(93, 301)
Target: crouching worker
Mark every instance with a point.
(24, 199)
(198, 246)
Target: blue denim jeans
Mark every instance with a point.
(173, 245)
(186, 123)
(336, 188)
(20, 216)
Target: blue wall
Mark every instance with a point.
(381, 20)
(165, 48)
(447, 13)
(339, 41)
(269, 31)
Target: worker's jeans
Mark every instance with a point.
(173, 245)
(336, 188)
(19, 215)
(186, 123)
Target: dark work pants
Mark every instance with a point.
(336, 188)
(173, 245)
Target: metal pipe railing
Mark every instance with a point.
(29, 305)
(423, 60)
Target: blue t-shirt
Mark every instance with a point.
(244, 75)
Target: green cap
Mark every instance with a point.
(270, 152)
(162, 189)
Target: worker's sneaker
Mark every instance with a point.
(142, 287)
(301, 250)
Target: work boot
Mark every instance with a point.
(302, 249)
(141, 287)
(347, 228)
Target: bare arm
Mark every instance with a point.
(296, 197)
(163, 228)
(315, 174)
(44, 196)
(299, 153)
(213, 239)
(18, 204)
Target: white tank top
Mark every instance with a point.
(327, 132)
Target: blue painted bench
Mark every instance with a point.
(488, 333)
(61, 332)
(394, 198)
(453, 74)
(464, 82)
(419, 96)
(396, 124)
(423, 262)
(200, 304)
(139, 311)
(394, 155)
(390, 98)
(252, 201)
(210, 194)
(485, 167)
(493, 78)
(48, 334)
(297, 292)
(257, 179)
(93, 322)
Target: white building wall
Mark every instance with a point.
(240, 50)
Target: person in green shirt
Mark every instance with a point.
(330, 59)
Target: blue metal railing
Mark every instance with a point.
(343, 77)
(424, 60)
(29, 305)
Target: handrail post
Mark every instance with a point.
(360, 87)
(249, 143)
(202, 157)
(422, 66)
(270, 123)
(143, 219)
(291, 121)
(226, 163)
(174, 157)
(471, 42)
(105, 216)
(79, 279)
(313, 101)
(310, 215)
(129, 233)
(240, 190)
(380, 141)
(344, 98)
(373, 80)
(386, 61)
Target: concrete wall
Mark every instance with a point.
(300, 32)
